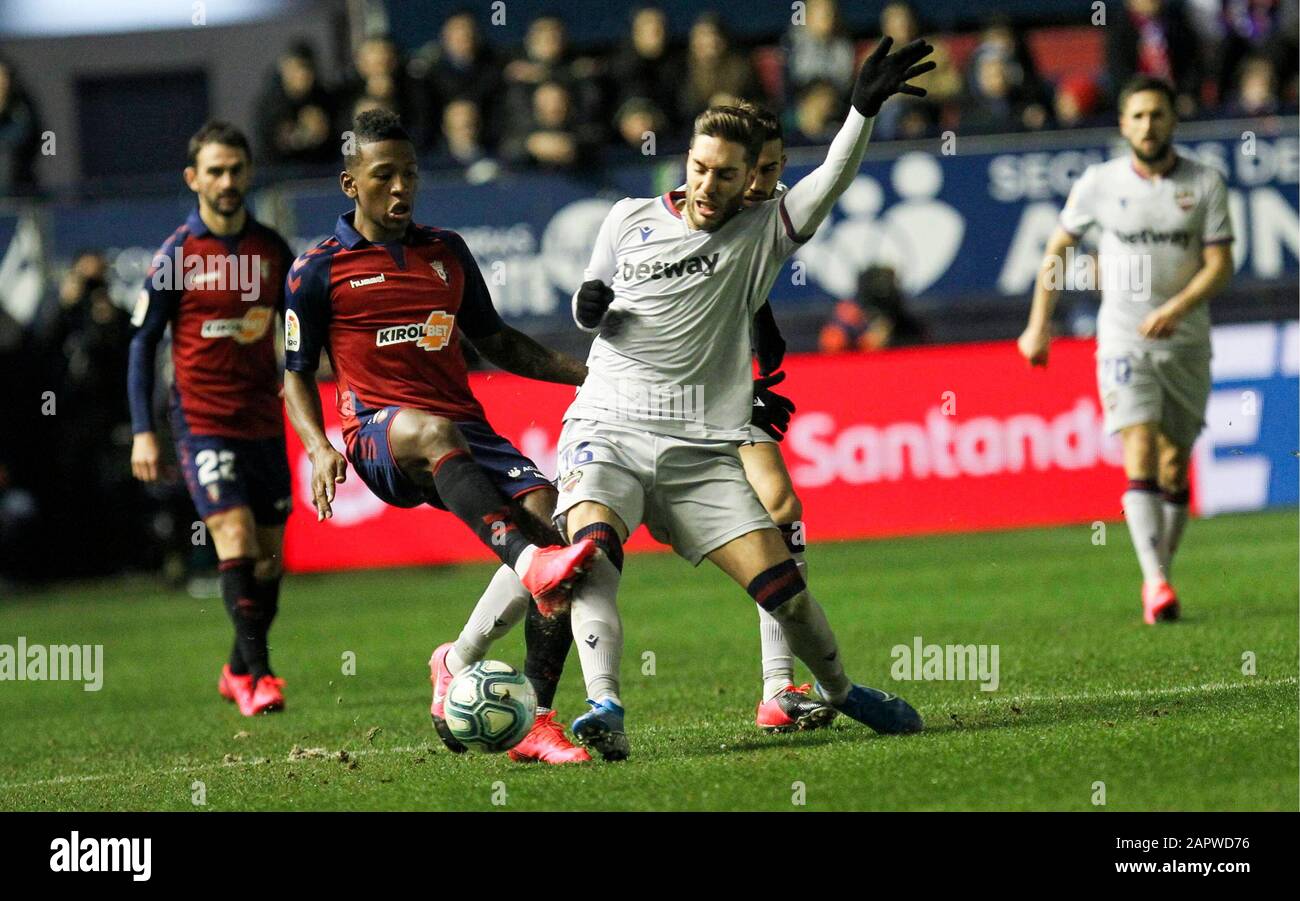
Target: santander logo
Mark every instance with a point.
(939, 446)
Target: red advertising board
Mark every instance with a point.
(931, 439)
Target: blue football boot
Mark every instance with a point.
(886, 713)
(601, 728)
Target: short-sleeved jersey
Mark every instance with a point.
(674, 354)
(1152, 233)
(219, 294)
(390, 317)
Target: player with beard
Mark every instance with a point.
(1164, 250)
(218, 282)
(672, 288)
(391, 301)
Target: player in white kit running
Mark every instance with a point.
(1164, 249)
(672, 288)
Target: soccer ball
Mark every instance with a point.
(490, 707)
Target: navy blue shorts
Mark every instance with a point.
(222, 473)
(372, 458)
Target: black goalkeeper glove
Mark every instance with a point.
(884, 74)
(771, 410)
(769, 346)
(594, 298)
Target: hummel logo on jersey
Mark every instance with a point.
(362, 282)
(432, 334)
(646, 232)
(659, 269)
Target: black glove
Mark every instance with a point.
(769, 346)
(771, 410)
(884, 74)
(594, 298)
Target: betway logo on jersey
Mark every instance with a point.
(704, 264)
(432, 334)
(245, 330)
(1179, 238)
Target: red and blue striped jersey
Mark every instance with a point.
(390, 317)
(219, 294)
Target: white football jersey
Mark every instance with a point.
(1152, 232)
(674, 354)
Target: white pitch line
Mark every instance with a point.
(332, 756)
(1205, 688)
(327, 757)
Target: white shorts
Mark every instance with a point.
(691, 494)
(1168, 387)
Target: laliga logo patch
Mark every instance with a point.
(569, 482)
(292, 331)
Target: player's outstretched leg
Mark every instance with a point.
(547, 640)
(784, 707)
(1145, 518)
(779, 588)
(598, 631)
(433, 453)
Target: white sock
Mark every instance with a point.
(524, 559)
(809, 634)
(1146, 526)
(598, 630)
(1175, 519)
(778, 659)
(502, 606)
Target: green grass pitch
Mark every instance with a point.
(1164, 717)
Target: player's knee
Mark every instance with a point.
(784, 505)
(1173, 473)
(437, 437)
(233, 535)
(779, 589)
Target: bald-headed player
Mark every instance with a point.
(1164, 249)
(391, 301)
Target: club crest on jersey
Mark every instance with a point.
(246, 329)
(1185, 197)
(432, 334)
(439, 269)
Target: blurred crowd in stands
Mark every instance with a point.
(477, 107)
